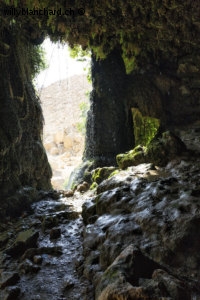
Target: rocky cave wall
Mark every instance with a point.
(164, 84)
(109, 125)
(168, 92)
(24, 167)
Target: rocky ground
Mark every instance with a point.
(142, 239)
(138, 237)
(41, 252)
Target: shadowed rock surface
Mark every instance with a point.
(24, 168)
(140, 234)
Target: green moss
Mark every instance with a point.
(156, 30)
(163, 148)
(114, 173)
(81, 126)
(145, 128)
(131, 158)
(25, 235)
(93, 186)
(111, 274)
(101, 174)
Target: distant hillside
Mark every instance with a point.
(61, 102)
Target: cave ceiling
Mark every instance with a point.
(147, 31)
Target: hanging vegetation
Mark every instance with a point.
(145, 128)
(145, 31)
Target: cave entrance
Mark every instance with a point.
(63, 89)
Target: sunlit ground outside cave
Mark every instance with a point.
(63, 88)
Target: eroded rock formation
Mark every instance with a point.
(24, 167)
(109, 126)
(141, 239)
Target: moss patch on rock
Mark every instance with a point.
(100, 174)
(145, 128)
(132, 158)
(160, 151)
(80, 174)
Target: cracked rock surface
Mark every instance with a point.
(41, 253)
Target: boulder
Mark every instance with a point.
(59, 136)
(162, 149)
(24, 240)
(9, 279)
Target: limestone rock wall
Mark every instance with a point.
(141, 239)
(23, 161)
(170, 92)
(109, 126)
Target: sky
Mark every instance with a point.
(61, 65)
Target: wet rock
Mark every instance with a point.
(134, 276)
(53, 194)
(53, 219)
(92, 219)
(132, 158)
(68, 215)
(68, 283)
(124, 178)
(36, 297)
(11, 293)
(47, 207)
(28, 267)
(176, 288)
(68, 193)
(47, 261)
(159, 151)
(55, 233)
(93, 271)
(159, 214)
(49, 222)
(113, 283)
(165, 148)
(88, 210)
(79, 265)
(30, 253)
(37, 259)
(24, 240)
(100, 174)
(83, 187)
(9, 279)
(4, 237)
(110, 198)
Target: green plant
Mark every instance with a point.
(77, 52)
(38, 60)
(81, 126)
(145, 128)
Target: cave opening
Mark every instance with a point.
(63, 88)
(163, 82)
